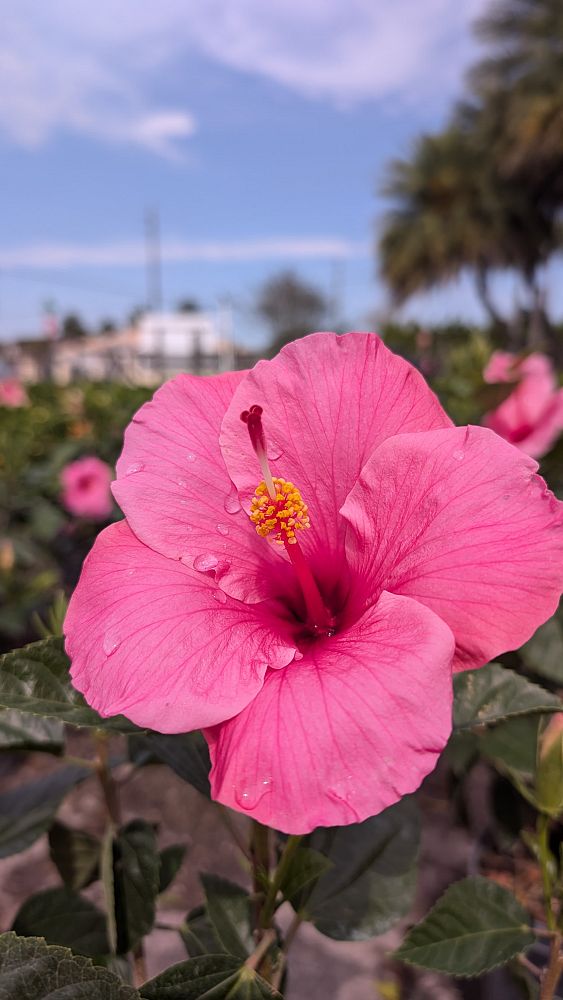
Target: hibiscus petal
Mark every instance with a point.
(544, 434)
(175, 490)
(531, 418)
(328, 401)
(346, 731)
(458, 520)
(161, 644)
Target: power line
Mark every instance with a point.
(54, 278)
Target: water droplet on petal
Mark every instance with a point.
(342, 792)
(223, 565)
(275, 451)
(133, 468)
(249, 795)
(110, 643)
(182, 482)
(222, 529)
(232, 503)
(219, 596)
(190, 456)
(130, 572)
(206, 562)
(458, 455)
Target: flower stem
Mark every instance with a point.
(254, 960)
(105, 778)
(260, 858)
(80, 761)
(231, 827)
(288, 852)
(542, 830)
(288, 941)
(553, 972)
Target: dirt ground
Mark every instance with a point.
(319, 969)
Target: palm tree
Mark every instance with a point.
(518, 89)
(452, 212)
(520, 86)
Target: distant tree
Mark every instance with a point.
(453, 211)
(487, 192)
(107, 326)
(519, 86)
(136, 315)
(188, 306)
(518, 90)
(291, 307)
(72, 327)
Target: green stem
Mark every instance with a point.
(260, 859)
(545, 857)
(139, 964)
(553, 972)
(80, 761)
(288, 852)
(288, 941)
(231, 827)
(266, 942)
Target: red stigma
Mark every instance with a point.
(253, 420)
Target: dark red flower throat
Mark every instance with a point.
(278, 509)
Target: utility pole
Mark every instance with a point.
(154, 285)
(154, 263)
(336, 293)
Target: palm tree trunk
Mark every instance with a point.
(483, 292)
(536, 311)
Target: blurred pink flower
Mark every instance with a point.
(319, 668)
(86, 488)
(12, 393)
(531, 417)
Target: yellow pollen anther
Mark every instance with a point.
(283, 516)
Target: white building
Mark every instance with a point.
(160, 346)
(192, 341)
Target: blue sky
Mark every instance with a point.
(259, 131)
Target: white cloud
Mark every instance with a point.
(361, 49)
(132, 254)
(92, 68)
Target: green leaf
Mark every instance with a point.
(304, 871)
(21, 731)
(475, 926)
(64, 917)
(372, 882)
(549, 770)
(494, 694)
(108, 886)
(28, 811)
(461, 751)
(199, 935)
(76, 855)
(185, 753)
(228, 908)
(171, 859)
(221, 977)
(36, 679)
(32, 970)
(136, 866)
(513, 744)
(543, 653)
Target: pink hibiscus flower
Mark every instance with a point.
(12, 393)
(309, 622)
(531, 418)
(86, 488)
